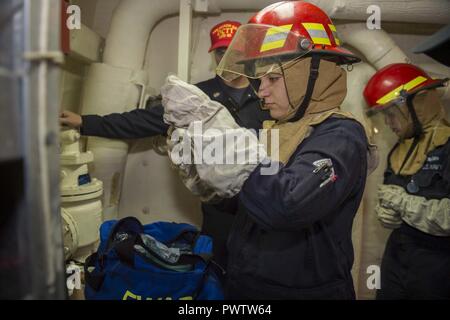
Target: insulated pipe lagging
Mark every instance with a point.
(130, 28)
(413, 11)
(376, 45)
(116, 85)
(110, 89)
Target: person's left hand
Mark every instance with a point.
(70, 119)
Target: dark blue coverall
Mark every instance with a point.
(291, 238)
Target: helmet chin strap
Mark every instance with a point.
(313, 75)
(417, 127)
(285, 85)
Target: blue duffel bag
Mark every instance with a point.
(157, 261)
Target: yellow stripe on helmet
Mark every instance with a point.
(336, 38)
(276, 37)
(317, 33)
(396, 92)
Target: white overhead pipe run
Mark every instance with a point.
(117, 85)
(184, 39)
(138, 17)
(415, 11)
(376, 45)
(131, 24)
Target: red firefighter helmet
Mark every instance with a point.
(310, 22)
(279, 34)
(393, 82)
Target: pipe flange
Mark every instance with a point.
(70, 234)
(88, 191)
(70, 159)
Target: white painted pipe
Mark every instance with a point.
(184, 40)
(109, 89)
(138, 17)
(117, 85)
(415, 11)
(376, 45)
(86, 216)
(130, 28)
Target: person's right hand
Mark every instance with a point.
(70, 119)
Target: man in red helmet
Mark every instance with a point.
(414, 198)
(292, 236)
(238, 95)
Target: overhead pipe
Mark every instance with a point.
(376, 45)
(138, 17)
(184, 39)
(414, 11)
(118, 85)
